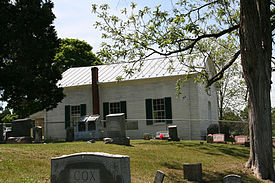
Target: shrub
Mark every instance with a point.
(213, 129)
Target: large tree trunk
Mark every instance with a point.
(256, 49)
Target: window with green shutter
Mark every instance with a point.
(82, 109)
(105, 109)
(123, 108)
(149, 113)
(160, 110)
(168, 109)
(67, 116)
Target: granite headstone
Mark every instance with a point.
(232, 178)
(218, 138)
(91, 167)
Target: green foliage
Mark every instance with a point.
(236, 125)
(190, 32)
(9, 118)
(75, 53)
(28, 43)
(213, 129)
(147, 31)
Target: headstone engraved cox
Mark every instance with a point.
(90, 168)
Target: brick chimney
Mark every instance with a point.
(95, 90)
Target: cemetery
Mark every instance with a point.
(159, 158)
(143, 161)
(117, 159)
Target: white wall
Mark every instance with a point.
(135, 93)
(55, 118)
(206, 98)
(186, 106)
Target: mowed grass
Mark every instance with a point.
(32, 162)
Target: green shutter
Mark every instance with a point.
(67, 116)
(123, 108)
(105, 109)
(168, 109)
(149, 112)
(82, 109)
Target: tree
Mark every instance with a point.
(75, 53)
(231, 88)
(145, 33)
(256, 51)
(28, 44)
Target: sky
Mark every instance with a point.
(74, 19)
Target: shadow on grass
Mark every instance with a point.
(173, 165)
(214, 149)
(211, 176)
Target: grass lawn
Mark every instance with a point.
(31, 162)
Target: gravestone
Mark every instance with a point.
(115, 125)
(241, 140)
(115, 129)
(192, 171)
(37, 134)
(173, 133)
(218, 138)
(90, 167)
(159, 177)
(232, 178)
(70, 134)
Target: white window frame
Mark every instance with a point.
(159, 113)
(75, 113)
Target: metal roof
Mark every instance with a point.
(154, 68)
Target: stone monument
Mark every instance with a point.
(115, 129)
(218, 138)
(159, 177)
(173, 133)
(241, 139)
(37, 131)
(91, 167)
(192, 171)
(232, 178)
(69, 134)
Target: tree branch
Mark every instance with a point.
(191, 45)
(201, 7)
(219, 75)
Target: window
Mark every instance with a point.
(75, 113)
(158, 109)
(114, 108)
